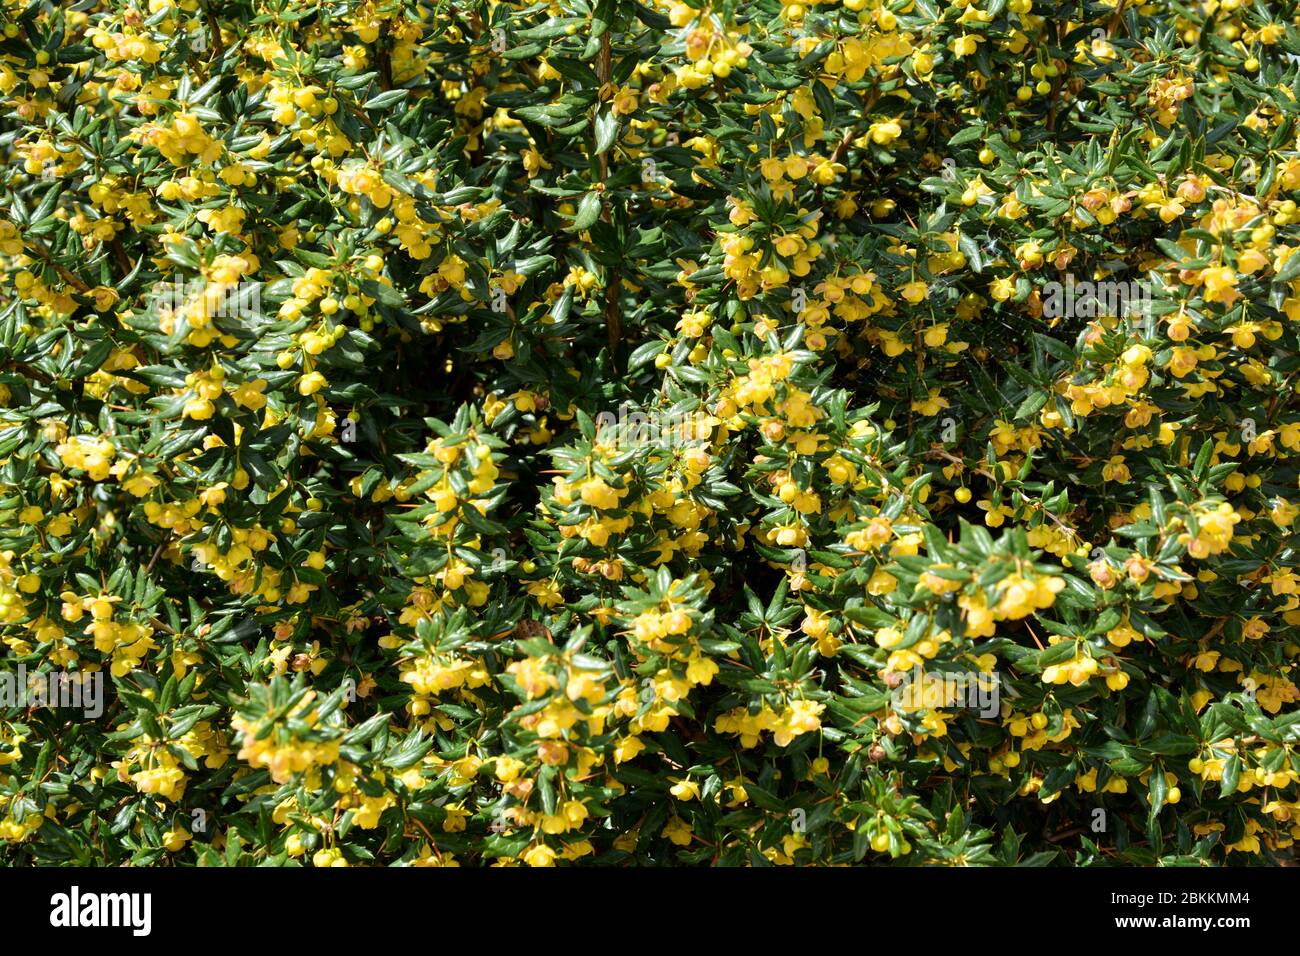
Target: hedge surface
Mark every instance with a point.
(475, 433)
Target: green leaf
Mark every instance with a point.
(588, 212)
(385, 100)
(606, 131)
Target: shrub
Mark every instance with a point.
(441, 433)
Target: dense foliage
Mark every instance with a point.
(477, 433)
